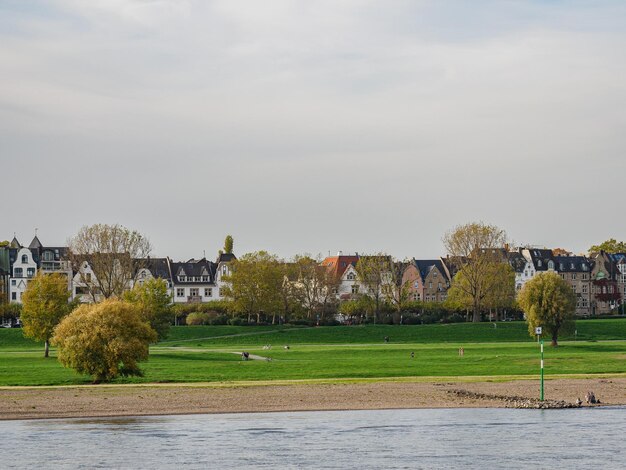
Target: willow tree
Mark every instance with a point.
(475, 251)
(108, 258)
(45, 303)
(549, 302)
(104, 340)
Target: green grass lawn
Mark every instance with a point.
(207, 354)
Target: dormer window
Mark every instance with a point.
(550, 265)
(205, 278)
(538, 263)
(351, 277)
(182, 278)
(573, 266)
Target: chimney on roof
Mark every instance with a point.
(339, 253)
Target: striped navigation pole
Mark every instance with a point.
(538, 333)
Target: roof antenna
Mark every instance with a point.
(36, 231)
(204, 253)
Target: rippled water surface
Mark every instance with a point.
(441, 438)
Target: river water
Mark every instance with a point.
(590, 438)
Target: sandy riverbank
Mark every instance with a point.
(126, 400)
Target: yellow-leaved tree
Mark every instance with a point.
(45, 303)
(104, 340)
(549, 302)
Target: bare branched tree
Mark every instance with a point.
(114, 255)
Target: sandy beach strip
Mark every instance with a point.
(165, 399)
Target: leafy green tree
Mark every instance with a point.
(610, 246)
(549, 302)
(104, 340)
(495, 291)
(45, 303)
(154, 302)
(228, 244)
(255, 284)
(476, 249)
(375, 274)
(4, 243)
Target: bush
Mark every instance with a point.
(10, 311)
(198, 318)
(104, 340)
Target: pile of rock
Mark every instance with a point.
(515, 402)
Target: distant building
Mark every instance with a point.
(427, 280)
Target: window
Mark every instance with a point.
(584, 267)
(205, 278)
(194, 292)
(355, 289)
(13, 295)
(24, 259)
(519, 287)
(585, 276)
(13, 282)
(182, 278)
(416, 284)
(573, 276)
(48, 256)
(221, 292)
(434, 273)
(439, 286)
(351, 277)
(87, 277)
(196, 279)
(584, 288)
(430, 285)
(30, 272)
(224, 270)
(208, 292)
(180, 292)
(19, 272)
(562, 276)
(550, 265)
(539, 263)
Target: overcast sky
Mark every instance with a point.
(301, 126)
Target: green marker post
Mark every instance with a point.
(538, 331)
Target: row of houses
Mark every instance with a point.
(599, 281)
(195, 280)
